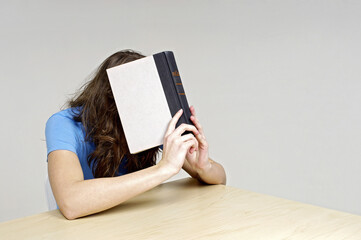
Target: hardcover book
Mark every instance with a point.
(148, 92)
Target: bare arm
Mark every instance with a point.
(77, 197)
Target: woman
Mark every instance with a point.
(89, 164)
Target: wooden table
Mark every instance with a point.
(186, 209)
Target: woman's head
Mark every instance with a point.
(102, 124)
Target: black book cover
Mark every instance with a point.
(172, 86)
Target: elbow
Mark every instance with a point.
(220, 181)
(69, 211)
(224, 181)
(223, 176)
(69, 214)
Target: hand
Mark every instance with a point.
(198, 159)
(176, 146)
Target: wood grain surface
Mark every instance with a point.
(187, 209)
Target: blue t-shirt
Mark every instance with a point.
(64, 133)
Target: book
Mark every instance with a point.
(148, 92)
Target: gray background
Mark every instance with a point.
(276, 85)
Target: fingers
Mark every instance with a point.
(196, 123)
(190, 137)
(197, 129)
(193, 111)
(185, 127)
(202, 141)
(187, 137)
(201, 138)
(190, 143)
(173, 122)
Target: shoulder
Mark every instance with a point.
(65, 116)
(63, 122)
(63, 132)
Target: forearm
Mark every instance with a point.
(215, 174)
(95, 195)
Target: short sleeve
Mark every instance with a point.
(161, 147)
(61, 134)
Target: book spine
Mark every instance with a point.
(168, 86)
(178, 86)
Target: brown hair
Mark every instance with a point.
(100, 118)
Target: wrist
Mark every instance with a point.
(166, 169)
(204, 169)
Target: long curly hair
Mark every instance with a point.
(100, 118)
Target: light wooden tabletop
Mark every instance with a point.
(186, 209)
